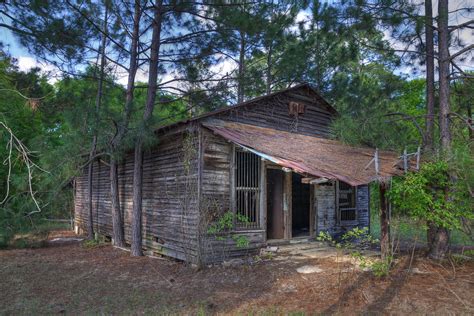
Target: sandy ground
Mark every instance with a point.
(66, 277)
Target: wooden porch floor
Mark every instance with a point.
(304, 248)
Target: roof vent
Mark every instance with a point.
(295, 108)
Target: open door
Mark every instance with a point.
(301, 204)
(275, 220)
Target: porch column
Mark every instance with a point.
(384, 219)
(287, 203)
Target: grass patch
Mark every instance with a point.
(98, 241)
(32, 237)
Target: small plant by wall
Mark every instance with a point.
(351, 242)
(222, 228)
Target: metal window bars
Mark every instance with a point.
(247, 187)
(347, 202)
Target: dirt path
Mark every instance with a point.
(68, 278)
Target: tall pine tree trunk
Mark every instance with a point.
(240, 83)
(428, 142)
(269, 69)
(117, 219)
(136, 225)
(444, 108)
(430, 69)
(384, 220)
(90, 217)
(98, 100)
(441, 235)
(469, 119)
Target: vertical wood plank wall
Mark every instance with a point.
(216, 200)
(325, 204)
(170, 213)
(273, 112)
(363, 205)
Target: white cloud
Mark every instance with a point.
(303, 17)
(224, 67)
(25, 63)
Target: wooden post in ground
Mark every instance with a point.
(384, 220)
(287, 203)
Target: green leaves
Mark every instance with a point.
(223, 228)
(432, 195)
(379, 109)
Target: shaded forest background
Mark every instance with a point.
(370, 59)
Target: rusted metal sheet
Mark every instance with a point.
(309, 155)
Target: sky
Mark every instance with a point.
(27, 61)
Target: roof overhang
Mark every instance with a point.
(311, 156)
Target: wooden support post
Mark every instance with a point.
(233, 197)
(263, 196)
(287, 204)
(384, 220)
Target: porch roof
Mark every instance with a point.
(317, 157)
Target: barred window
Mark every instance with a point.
(247, 187)
(347, 202)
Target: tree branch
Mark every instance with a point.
(462, 51)
(467, 24)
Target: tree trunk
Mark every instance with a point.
(98, 101)
(269, 70)
(384, 221)
(440, 244)
(117, 220)
(470, 120)
(136, 226)
(444, 109)
(430, 235)
(428, 142)
(430, 88)
(441, 235)
(240, 84)
(90, 220)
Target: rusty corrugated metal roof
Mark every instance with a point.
(309, 155)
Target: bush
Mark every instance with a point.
(224, 226)
(431, 195)
(381, 268)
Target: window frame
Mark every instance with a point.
(338, 207)
(257, 224)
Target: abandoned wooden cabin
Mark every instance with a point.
(268, 161)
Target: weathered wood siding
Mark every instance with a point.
(216, 200)
(325, 209)
(100, 199)
(363, 212)
(170, 211)
(273, 112)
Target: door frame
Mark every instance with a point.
(287, 202)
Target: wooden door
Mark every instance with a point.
(275, 216)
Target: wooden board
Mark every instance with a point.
(275, 215)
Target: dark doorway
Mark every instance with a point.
(300, 205)
(275, 222)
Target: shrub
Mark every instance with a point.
(224, 226)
